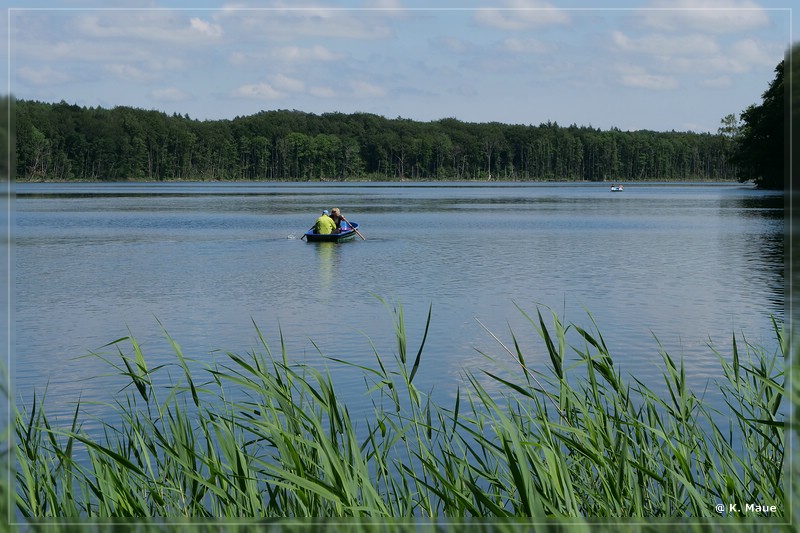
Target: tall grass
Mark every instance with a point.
(576, 440)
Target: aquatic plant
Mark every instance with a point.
(574, 441)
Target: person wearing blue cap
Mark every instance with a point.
(324, 224)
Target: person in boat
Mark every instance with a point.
(324, 224)
(338, 219)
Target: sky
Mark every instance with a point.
(657, 65)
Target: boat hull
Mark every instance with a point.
(344, 236)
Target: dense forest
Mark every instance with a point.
(67, 142)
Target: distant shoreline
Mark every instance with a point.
(407, 181)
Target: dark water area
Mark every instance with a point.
(681, 265)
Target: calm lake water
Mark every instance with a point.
(686, 264)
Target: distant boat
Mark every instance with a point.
(617, 188)
(340, 236)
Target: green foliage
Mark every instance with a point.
(763, 137)
(261, 437)
(67, 142)
(6, 111)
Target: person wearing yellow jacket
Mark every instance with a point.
(324, 224)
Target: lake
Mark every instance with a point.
(686, 264)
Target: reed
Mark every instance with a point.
(574, 441)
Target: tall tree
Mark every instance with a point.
(730, 126)
(759, 152)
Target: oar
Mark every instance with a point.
(304, 235)
(354, 229)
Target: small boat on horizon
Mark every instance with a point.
(617, 188)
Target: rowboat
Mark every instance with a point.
(617, 188)
(340, 236)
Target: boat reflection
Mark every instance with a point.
(327, 260)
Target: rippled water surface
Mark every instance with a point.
(686, 264)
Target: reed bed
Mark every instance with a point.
(574, 442)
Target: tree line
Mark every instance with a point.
(62, 141)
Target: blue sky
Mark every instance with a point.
(653, 64)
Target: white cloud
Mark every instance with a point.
(298, 20)
(363, 89)
(753, 52)
(638, 78)
(384, 4)
(129, 73)
(721, 82)
(169, 94)
(322, 92)
(297, 54)
(666, 45)
(289, 55)
(162, 26)
(42, 76)
(289, 84)
(521, 15)
(715, 16)
(40, 48)
(258, 91)
(695, 53)
(206, 28)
